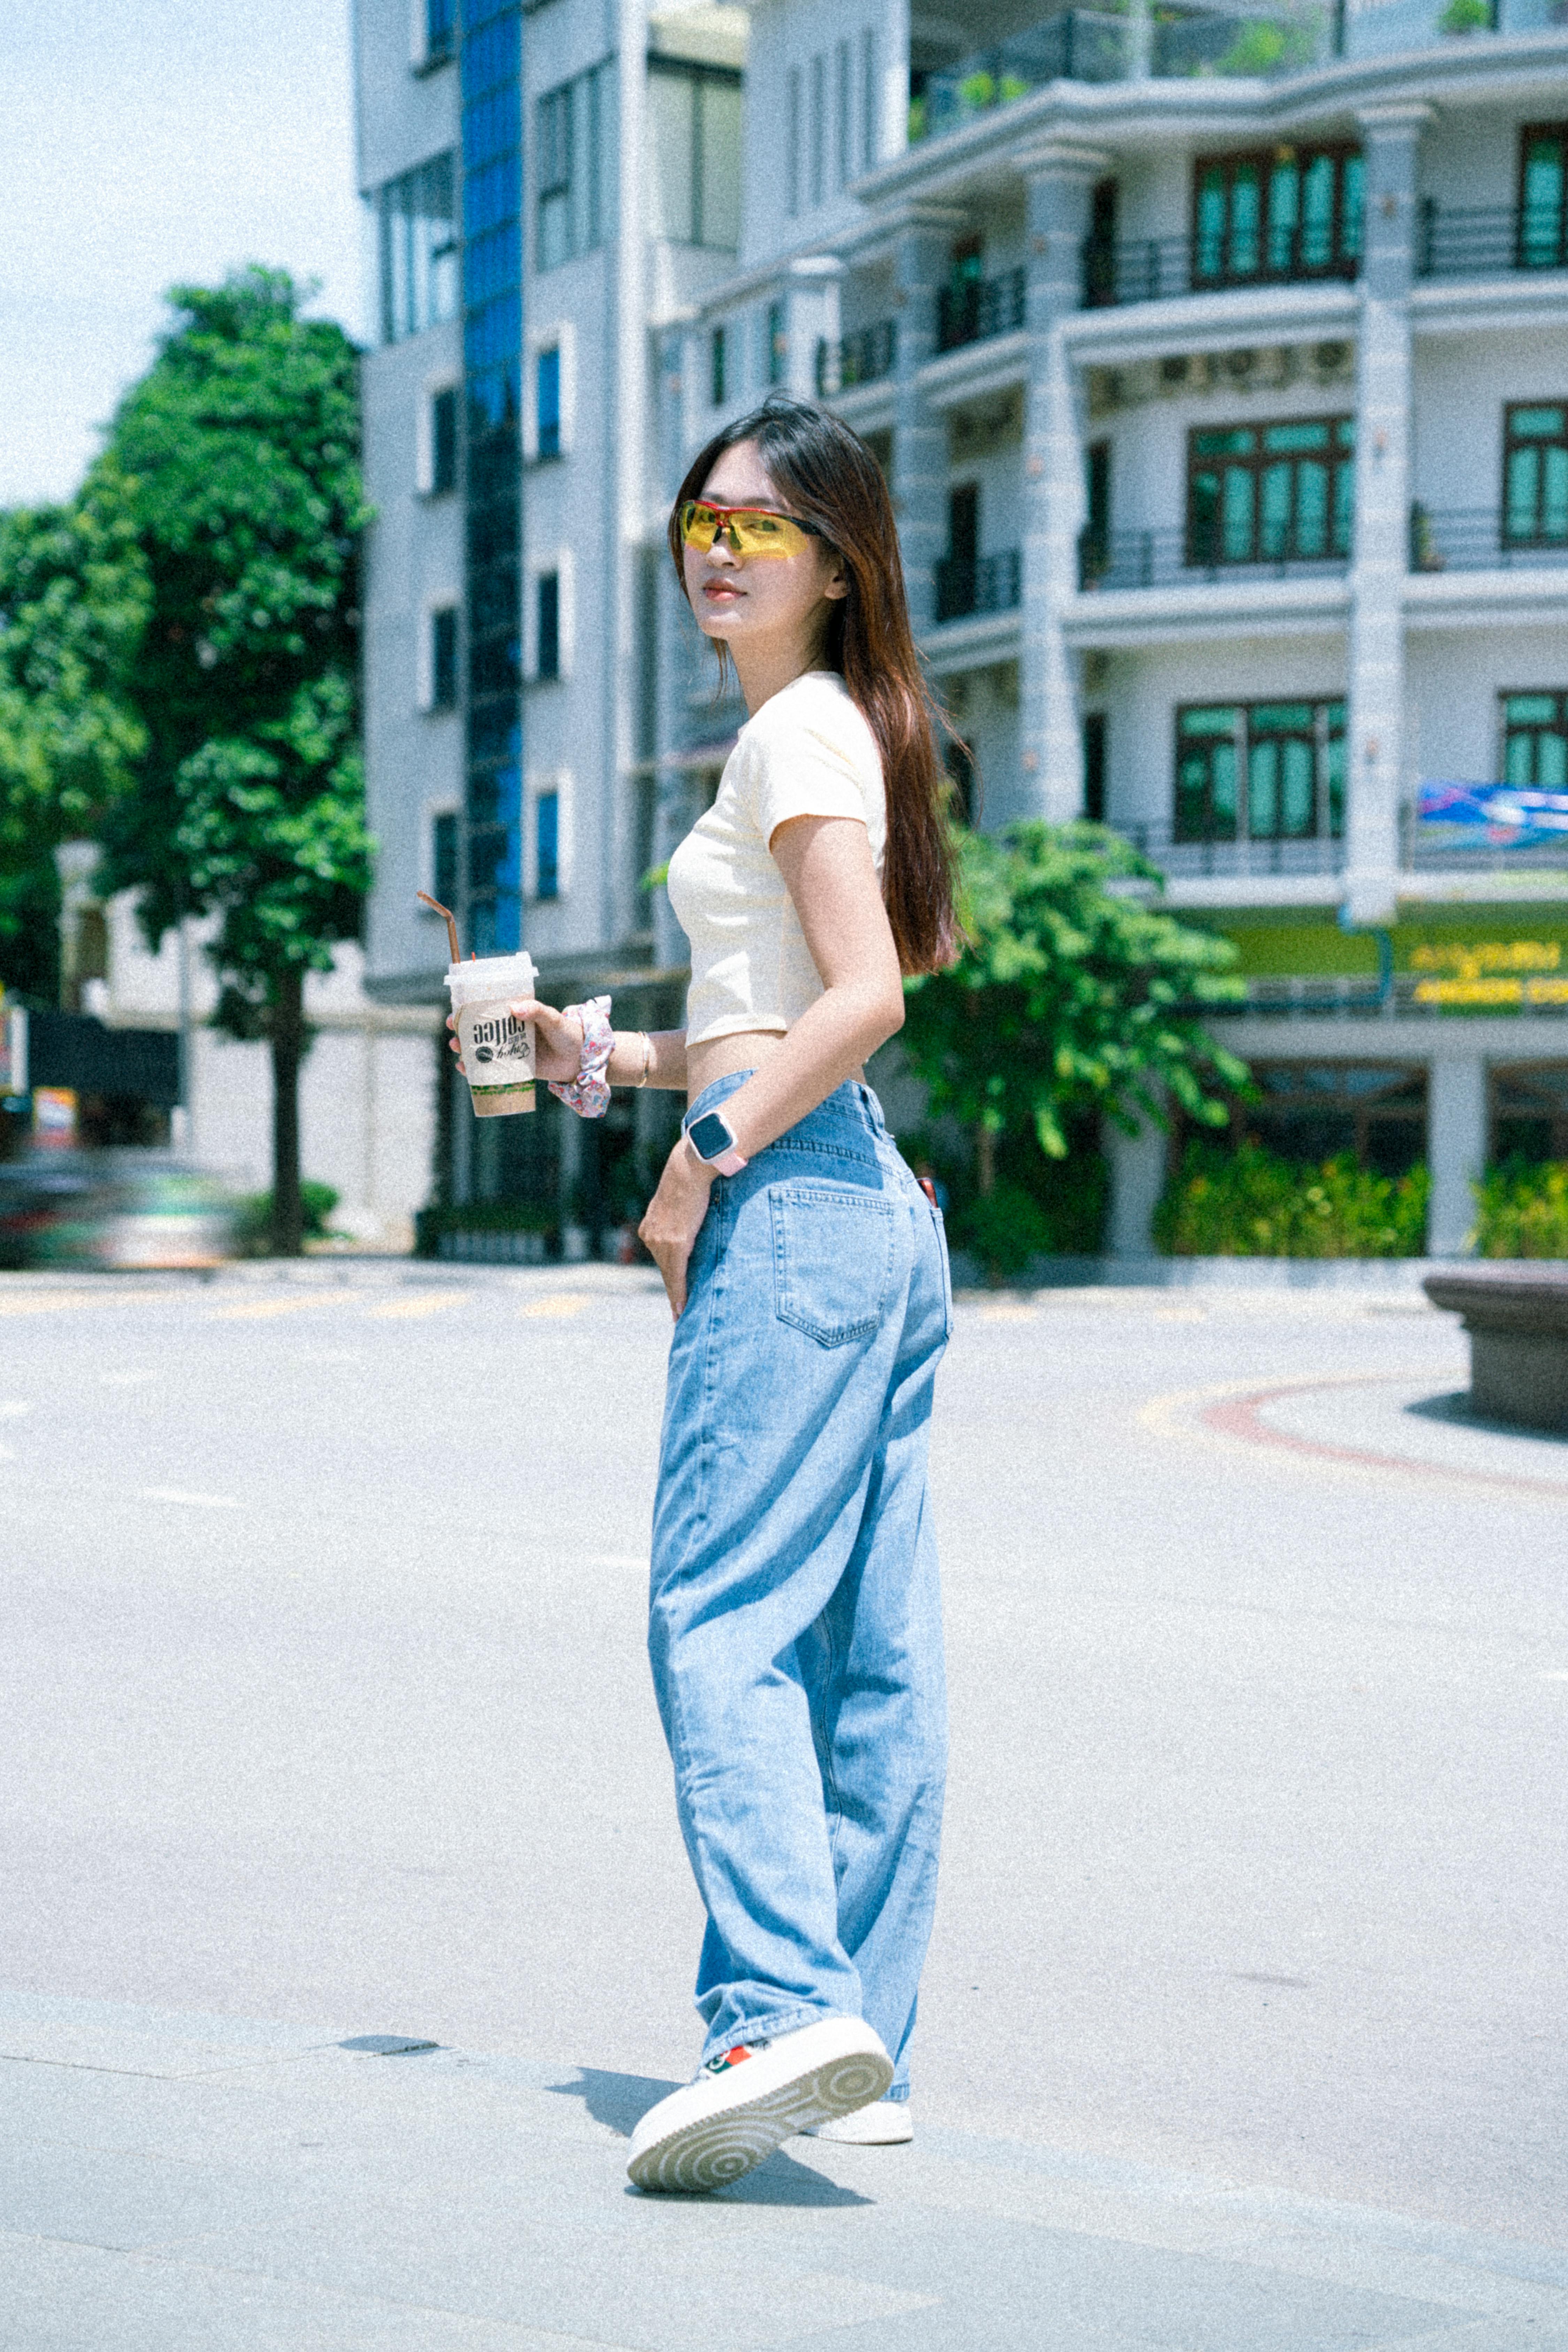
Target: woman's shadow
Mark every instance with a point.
(622, 2100)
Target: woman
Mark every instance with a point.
(796, 1630)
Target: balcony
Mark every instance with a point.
(967, 585)
(1479, 539)
(867, 356)
(1228, 859)
(1161, 268)
(1456, 242)
(1176, 559)
(976, 311)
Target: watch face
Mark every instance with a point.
(710, 1135)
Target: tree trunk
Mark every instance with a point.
(985, 1161)
(287, 1051)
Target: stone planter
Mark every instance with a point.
(1517, 1316)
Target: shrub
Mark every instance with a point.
(1038, 1207)
(1466, 16)
(481, 1217)
(253, 1234)
(1521, 1210)
(1248, 1202)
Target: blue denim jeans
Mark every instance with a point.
(796, 1622)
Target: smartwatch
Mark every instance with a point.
(712, 1140)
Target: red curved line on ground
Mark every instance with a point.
(1239, 1417)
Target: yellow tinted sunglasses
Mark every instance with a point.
(752, 531)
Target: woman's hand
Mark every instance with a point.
(673, 1218)
(557, 1041)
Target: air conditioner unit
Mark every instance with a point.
(1240, 367)
(1187, 372)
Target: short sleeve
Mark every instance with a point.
(802, 771)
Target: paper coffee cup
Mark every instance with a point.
(497, 1051)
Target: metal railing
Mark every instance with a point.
(975, 311)
(865, 357)
(1159, 268)
(1180, 558)
(1457, 241)
(1478, 539)
(1181, 860)
(966, 585)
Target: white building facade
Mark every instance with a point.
(1226, 412)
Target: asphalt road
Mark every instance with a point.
(322, 1694)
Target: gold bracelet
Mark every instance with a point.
(647, 1058)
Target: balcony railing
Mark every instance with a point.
(865, 357)
(1185, 860)
(1178, 559)
(1158, 268)
(1454, 242)
(1479, 539)
(974, 312)
(972, 585)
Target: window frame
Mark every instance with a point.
(1327, 800)
(543, 785)
(703, 77)
(1556, 255)
(1515, 446)
(444, 664)
(580, 185)
(417, 274)
(1337, 461)
(431, 482)
(1557, 730)
(718, 366)
(1344, 262)
(558, 335)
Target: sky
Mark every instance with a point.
(144, 143)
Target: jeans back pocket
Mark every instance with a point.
(833, 1260)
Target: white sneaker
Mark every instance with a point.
(749, 2099)
(886, 2124)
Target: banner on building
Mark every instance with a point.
(1512, 816)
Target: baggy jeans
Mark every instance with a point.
(796, 1622)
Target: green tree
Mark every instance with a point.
(241, 446)
(1074, 995)
(73, 602)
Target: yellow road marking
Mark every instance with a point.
(264, 1311)
(426, 1302)
(559, 1303)
(1007, 1310)
(52, 1302)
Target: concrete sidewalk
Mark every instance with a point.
(182, 2183)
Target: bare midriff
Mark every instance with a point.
(740, 1049)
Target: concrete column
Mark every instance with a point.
(1375, 728)
(1049, 782)
(922, 259)
(811, 317)
(1137, 1181)
(1456, 1149)
(676, 646)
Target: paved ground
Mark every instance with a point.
(322, 1704)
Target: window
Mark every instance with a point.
(792, 140)
(871, 144)
(547, 845)
(440, 43)
(1535, 740)
(575, 152)
(1292, 755)
(547, 402)
(549, 622)
(444, 444)
(1094, 767)
(444, 856)
(1097, 502)
(1543, 196)
(1287, 213)
(1535, 475)
(777, 342)
(417, 241)
(1266, 493)
(818, 126)
(694, 153)
(843, 113)
(444, 659)
(718, 378)
(1313, 1111)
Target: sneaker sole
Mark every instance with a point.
(712, 2152)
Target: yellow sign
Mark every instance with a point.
(1503, 972)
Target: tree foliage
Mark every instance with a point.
(74, 597)
(241, 449)
(1074, 993)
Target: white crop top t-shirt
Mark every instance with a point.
(807, 753)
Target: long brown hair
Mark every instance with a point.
(825, 474)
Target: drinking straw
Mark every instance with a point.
(423, 895)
